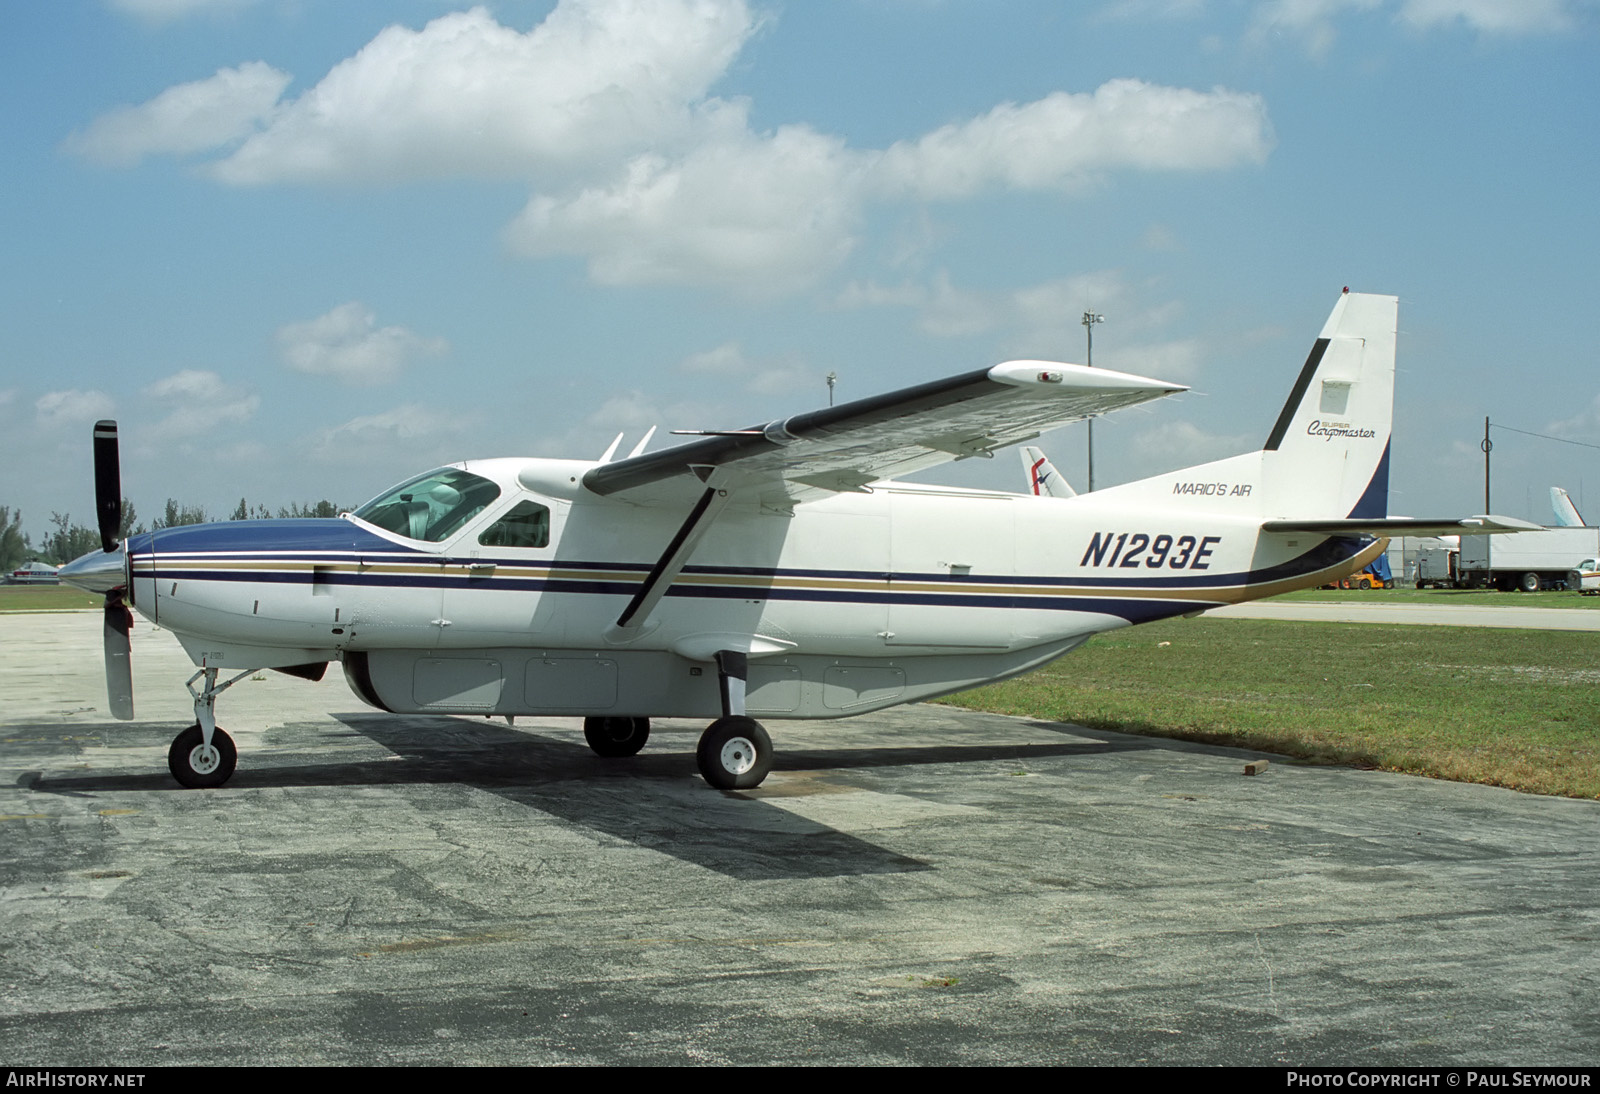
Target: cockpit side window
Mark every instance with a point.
(526, 525)
(431, 507)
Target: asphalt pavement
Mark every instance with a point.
(919, 886)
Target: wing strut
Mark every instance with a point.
(630, 624)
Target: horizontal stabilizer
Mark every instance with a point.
(1404, 526)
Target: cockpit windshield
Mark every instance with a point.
(433, 506)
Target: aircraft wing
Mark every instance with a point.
(1404, 526)
(847, 447)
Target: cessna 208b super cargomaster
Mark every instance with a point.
(777, 570)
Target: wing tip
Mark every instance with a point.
(1050, 374)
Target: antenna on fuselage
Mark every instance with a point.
(638, 448)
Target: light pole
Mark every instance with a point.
(1089, 320)
(832, 378)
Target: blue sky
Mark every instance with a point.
(304, 250)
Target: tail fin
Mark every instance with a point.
(1043, 478)
(1567, 515)
(1327, 455)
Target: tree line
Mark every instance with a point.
(67, 540)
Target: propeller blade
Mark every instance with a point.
(107, 485)
(119, 663)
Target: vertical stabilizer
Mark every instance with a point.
(1567, 515)
(1328, 452)
(1043, 479)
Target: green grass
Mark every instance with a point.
(45, 598)
(1514, 708)
(1475, 598)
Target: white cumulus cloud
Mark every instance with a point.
(760, 376)
(466, 96)
(72, 407)
(166, 11)
(1175, 444)
(1065, 139)
(55, 408)
(186, 119)
(199, 402)
(1314, 22)
(1042, 319)
(407, 438)
(756, 214)
(1492, 16)
(636, 169)
(348, 344)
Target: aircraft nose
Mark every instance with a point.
(98, 571)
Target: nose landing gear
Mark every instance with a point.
(204, 756)
(200, 764)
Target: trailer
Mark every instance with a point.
(1529, 561)
(1437, 568)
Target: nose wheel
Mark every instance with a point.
(203, 756)
(198, 765)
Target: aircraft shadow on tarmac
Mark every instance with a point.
(653, 800)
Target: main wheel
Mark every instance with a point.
(1530, 583)
(198, 767)
(613, 737)
(735, 753)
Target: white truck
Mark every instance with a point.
(1529, 561)
(1586, 578)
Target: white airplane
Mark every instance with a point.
(777, 570)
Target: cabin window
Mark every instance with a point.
(431, 507)
(527, 525)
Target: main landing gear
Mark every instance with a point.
(734, 753)
(614, 737)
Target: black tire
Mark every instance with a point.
(614, 737)
(1530, 583)
(196, 770)
(735, 753)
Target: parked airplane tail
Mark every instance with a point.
(1327, 454)
(1042, 477)
(1567, 515)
